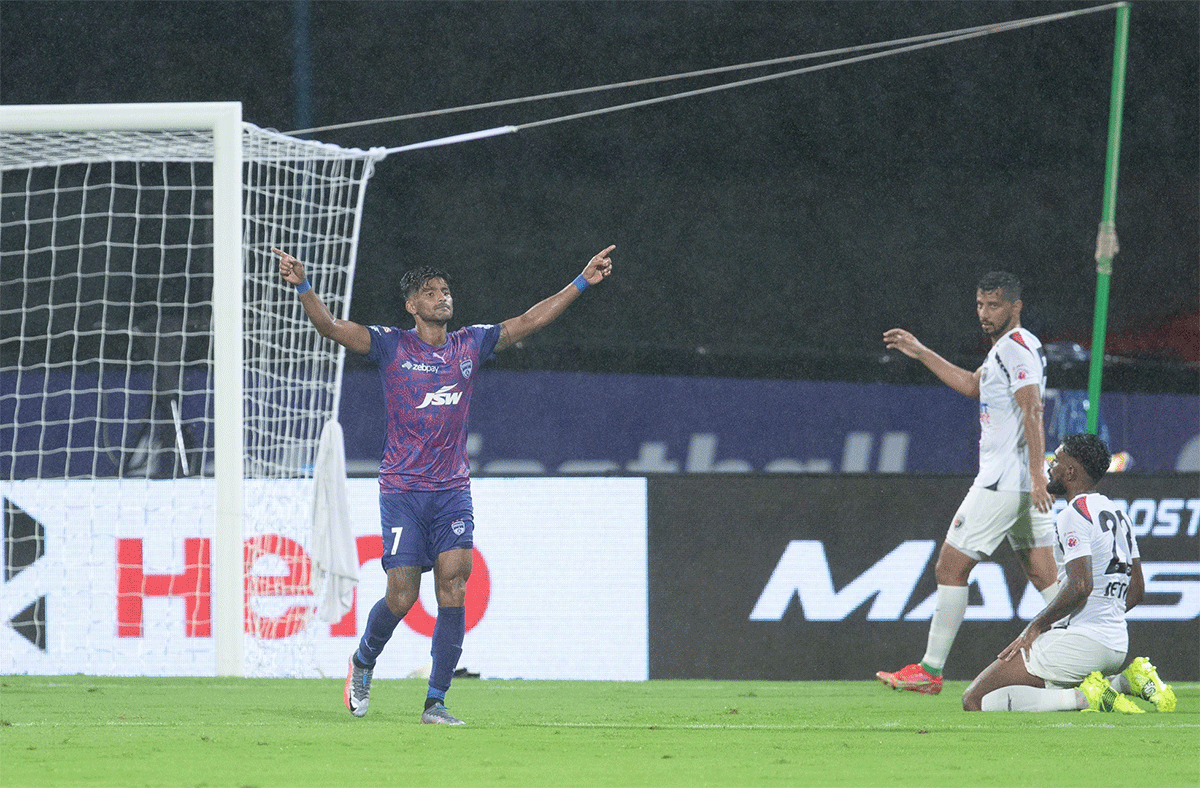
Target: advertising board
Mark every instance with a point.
(811, 577)
(114, 577)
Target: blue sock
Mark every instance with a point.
(381, 623)
(448, 635)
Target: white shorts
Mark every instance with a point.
(1064, 659)
(986, 517)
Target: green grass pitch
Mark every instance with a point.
(128, 732)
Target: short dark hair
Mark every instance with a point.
(414, 280)
(1090, 452)
(1003, 281)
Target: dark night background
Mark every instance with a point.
(774, 230)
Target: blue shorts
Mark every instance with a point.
(419, 526)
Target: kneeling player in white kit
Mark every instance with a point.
(1067, 650)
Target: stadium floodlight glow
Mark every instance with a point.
(146, 331)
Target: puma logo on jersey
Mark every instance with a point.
(443, 396)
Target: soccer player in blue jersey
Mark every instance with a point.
(424, 485)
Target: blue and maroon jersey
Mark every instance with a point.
(426, 394)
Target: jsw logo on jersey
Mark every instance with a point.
(443, 396)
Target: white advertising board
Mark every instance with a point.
(120, 570)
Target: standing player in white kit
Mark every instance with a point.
(1008, 497)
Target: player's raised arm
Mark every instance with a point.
(348, 334)
(961, 380)
(544, 312)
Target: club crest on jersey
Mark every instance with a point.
(1072, 540)
(466, 366)
(458, 526)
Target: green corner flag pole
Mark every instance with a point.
(1106, 239)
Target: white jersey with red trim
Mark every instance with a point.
(1015, 361)
(1092, 525)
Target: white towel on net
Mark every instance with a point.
(334, 553)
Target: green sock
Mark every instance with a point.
(931, 671)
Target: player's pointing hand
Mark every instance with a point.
(598, 267)
(291, 269)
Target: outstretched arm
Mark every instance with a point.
(349, 335)
(961, 380)
(544, 312)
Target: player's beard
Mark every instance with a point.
(1056, 487)
(439, 317)
(993, 331)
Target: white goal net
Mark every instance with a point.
(161, 391)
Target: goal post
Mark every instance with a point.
(135, 246)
